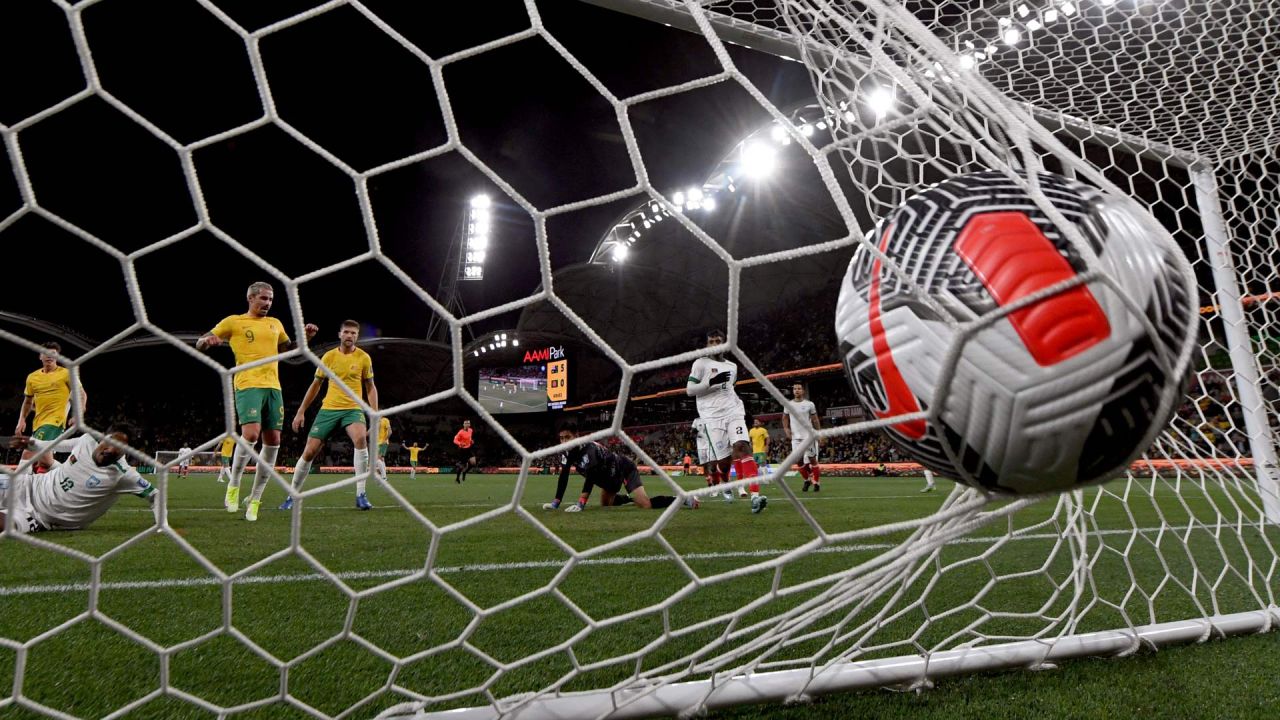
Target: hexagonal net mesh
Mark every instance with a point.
(1181, 548)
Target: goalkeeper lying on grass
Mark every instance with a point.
(609, 471)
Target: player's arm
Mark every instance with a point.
(371, 393)
(817, 425)
(702, 381)
(786, 424)
(287, 343)
(215, 337)
(27, 403)
(300, 417)
(561, 484)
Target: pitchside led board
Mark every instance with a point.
(541, 383)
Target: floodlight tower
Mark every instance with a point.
(465, 262)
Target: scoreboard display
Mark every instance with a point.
(539, 384)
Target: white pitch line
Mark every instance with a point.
(14, 590)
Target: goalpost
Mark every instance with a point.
(1184, 548)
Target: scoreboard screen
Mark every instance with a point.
(539, 384)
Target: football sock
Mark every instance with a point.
(804, 471)
(661, 501)
(262, 474)
(817, 474)
(300, 473)
(238, 463)
(747, 469)
(362, 467)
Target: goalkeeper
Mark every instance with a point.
(609, 471)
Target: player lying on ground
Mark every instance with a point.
(609, 471)
(354, 368)
(711, 383)
(73, 494)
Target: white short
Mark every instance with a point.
(23, 518)
(810, 453)
(721, 434)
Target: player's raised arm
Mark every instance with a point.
(702, 380)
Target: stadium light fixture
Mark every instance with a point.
(880, 101)
(515, 342)
(1011, 36)
(806, 130)
(695, 195)
(1068, 8)
(967, 61)
(619, 253)
(480, 202)
(655, 208)
(758, 160)
(709, 204)
(1023, 10)
(476, 243)
(778, 133)
(1050, 15)
(1033, 25)
(678, 198)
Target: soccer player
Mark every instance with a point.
(799, 423)
(601, 467)
(73, 494)
(711, 382)
(413, 460)
(354, 369)
(759, 443)
(384, 441)
(228, 448)
(259, 402)
(466, 452)
(47, 391)
(688, 464)
(184, 461)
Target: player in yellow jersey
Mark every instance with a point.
(384, 441)
(353, 370)
(259, 403)
(47, 392)
(228, 448)
(413, 460)
(759, 444)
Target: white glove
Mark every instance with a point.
(550, 506)
(574, 508)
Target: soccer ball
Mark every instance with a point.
(1063, 392)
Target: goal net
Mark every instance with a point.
(1173, 106)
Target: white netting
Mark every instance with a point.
(172, 458)
(1184, 538)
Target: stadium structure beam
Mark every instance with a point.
(775, 42)
(802, 684)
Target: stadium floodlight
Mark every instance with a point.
(709, 204)
(1068, 8)
(480, 202)
(1011, 36)
(619, 253)
(880, 101)
(758, 160)
(695, 195)
(482, 349)
(655, 208)
(778, 133)
(1023, 10)
(806, 130)
(515, 342)
(967, 61)
(1033, 25)
(1050, 15)
(678, 198)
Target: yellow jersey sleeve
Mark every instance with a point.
(384, 431)
(225, 328)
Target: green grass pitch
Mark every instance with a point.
(291, 612)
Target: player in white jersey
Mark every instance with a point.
(184, 460)
(707, 459)
(75, 493)
(719, 407)
(800, 424)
